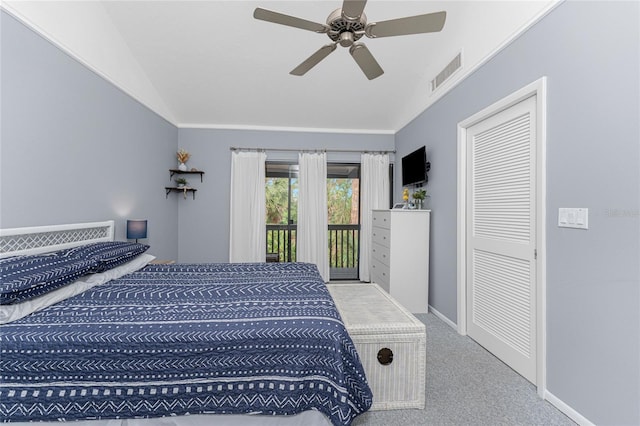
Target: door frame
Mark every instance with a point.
(537, 88)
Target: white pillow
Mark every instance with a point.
(14, 312)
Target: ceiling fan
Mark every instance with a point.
(347, 25)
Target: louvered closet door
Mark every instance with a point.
(501, 236)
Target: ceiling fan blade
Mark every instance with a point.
(352, 9)
(291, 21)
(365, 61)
(313, 60)
(429, 23)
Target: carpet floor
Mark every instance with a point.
(467, 385)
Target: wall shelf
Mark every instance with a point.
(170, 189)
(185, 172)
(183, 189)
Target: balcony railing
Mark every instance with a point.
(343, 251)
(281, 240)
(343, 248)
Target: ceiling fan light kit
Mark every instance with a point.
(347, 25)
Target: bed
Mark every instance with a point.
(132, 340)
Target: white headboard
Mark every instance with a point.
(42, 239)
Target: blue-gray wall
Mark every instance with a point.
(204, 223)
(76, 149)
(590, 52)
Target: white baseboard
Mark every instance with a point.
(567, 410)
(443, 318)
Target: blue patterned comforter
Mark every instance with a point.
(185, 339)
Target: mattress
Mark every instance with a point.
(185, 339)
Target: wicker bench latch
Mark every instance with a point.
(385, 356)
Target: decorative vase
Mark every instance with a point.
(182, 167)
(419, 203)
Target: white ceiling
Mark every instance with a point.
(210, 64)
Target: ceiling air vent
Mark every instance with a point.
(447, 72)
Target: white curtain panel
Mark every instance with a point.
(247, 234)
(374, 194)
(312, 235)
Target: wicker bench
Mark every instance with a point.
(391, 343)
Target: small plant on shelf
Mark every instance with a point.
(419, 194)
(183, 156)
(181, 182)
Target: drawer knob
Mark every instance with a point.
(385, 356)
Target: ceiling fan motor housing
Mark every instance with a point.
(345, 31)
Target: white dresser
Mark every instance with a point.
(400, 256)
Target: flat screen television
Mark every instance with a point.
(415, 167)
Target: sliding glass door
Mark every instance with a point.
(343, 205)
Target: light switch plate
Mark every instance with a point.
(573, 218)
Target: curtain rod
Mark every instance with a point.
(379, 151)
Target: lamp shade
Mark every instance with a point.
(136, 229)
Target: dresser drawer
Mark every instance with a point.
(380, 274)
(381, 218)
(381, 236)
(380, 253)
(381, 282)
